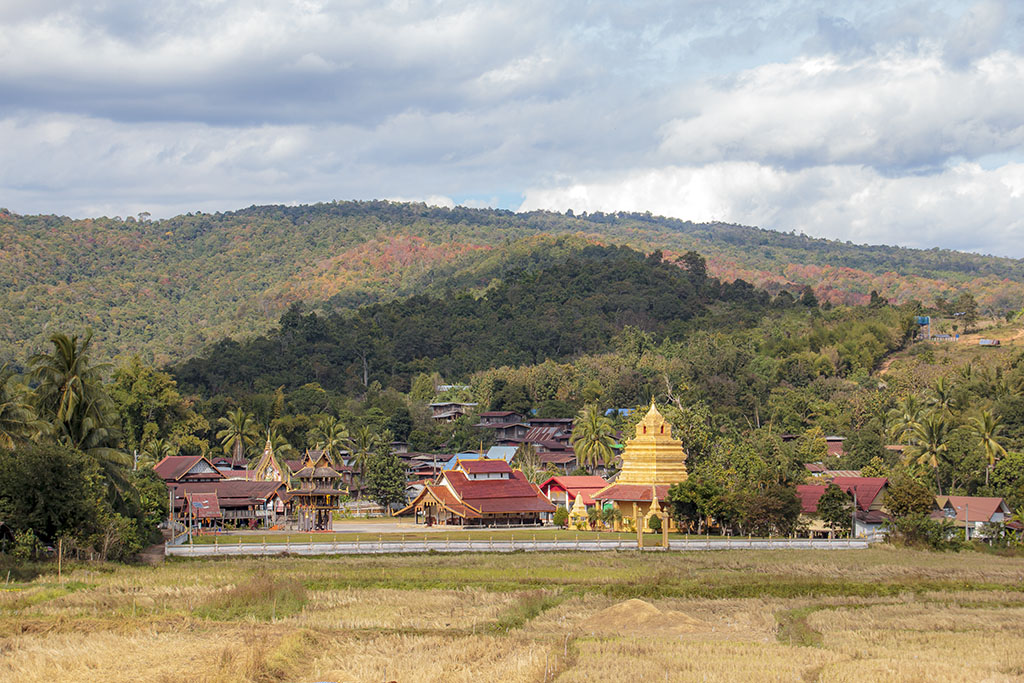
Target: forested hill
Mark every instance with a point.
(168, 288)
(557, 311)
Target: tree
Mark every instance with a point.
(148, 402)
(386, 480)
(561, 518)
(528, 462)
(331, 435)
(593, 436)
(966, 308)
(239, 432)
(807, 297)
(70, 396)
(18, 420)
(987, 427)
(773, 511)
(929, 442)
(906, 496)
(835, 508)
(364, 446)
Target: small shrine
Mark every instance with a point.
(267, 468)
(651, 463)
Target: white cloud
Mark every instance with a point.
(964, 206)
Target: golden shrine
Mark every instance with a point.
(651, 463)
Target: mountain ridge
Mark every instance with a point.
(168, 288)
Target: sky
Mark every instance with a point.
(874, 122)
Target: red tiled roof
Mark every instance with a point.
(175, 467)
(204, 505)
(867, 488)
(632, 492)
(485, 466)
(230, 492)
(499, 495)
(556, 458)
(573, 484)
(809, 495)
(979, 509)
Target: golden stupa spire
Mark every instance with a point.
(652, 456)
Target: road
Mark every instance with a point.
(465, 545)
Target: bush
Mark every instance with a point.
(921, 532)
(655, 524)
(561, 518)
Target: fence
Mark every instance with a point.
(385, 546)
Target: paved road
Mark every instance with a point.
(466, 545)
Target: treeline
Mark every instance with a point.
(554, 312)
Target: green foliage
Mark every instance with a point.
(561, 517)
(920, 531)
(386, 478)
(835, 508)
(907, 497)
(654, 523)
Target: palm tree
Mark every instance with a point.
(903, 418)
(364, 447)
(332, 436)
(18, 420)
(942, 396)
(593, 436)
(239, 432)
(69, 396)
(929, 443)
(987, 427)
(278, 444)
(70, 390)
(155, 450)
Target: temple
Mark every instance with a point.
(651, 463)
(318, 492)
(480, 492)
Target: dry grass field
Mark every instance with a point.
(881, 614)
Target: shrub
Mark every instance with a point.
(561, 518)
(655, 524)
(921, 532)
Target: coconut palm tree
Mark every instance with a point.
(943, 397)
(902, 419)
(155, 450)
(930, 438)
(18, 420)
(986, 427)
(239, 432)
(70, 397)
(332, 436)
(593, 436)
(278, 444)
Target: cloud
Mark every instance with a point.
(760, 112)
(963, 207)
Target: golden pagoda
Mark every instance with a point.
(651, 463)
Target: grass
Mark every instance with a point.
(883, 613)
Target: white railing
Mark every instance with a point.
(383, 545)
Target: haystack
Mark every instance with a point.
(640, 616)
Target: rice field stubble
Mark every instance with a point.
(880, 614)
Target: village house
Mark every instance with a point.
(563, 490)
(971, 513)
(449, 411)
(479, 492)
(201, 493)
(870, 515)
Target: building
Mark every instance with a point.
(563, 491)
(971, 513)
(651, 463)
(870, 515)
(479, 492)
(200, 493)
(449, 411)
(315, 491)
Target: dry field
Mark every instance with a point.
(881, 614)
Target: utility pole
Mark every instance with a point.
(967, 521)
(853, 525)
